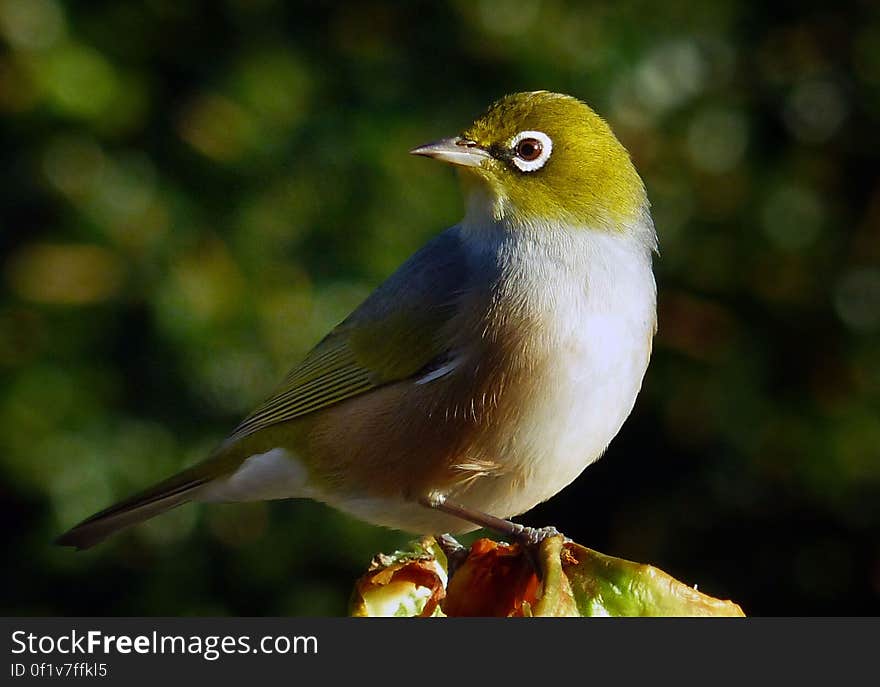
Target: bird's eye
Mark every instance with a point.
(531, 150)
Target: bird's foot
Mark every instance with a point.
(529, 538)
(455, 553)
(533, 536)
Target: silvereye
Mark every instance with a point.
(488, 371)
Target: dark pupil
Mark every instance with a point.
(529, 149)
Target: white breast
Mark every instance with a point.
(595, 295)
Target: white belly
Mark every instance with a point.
(571, 423)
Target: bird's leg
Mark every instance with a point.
(528, 536)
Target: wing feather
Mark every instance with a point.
(391, 336)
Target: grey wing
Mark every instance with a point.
(395, 333)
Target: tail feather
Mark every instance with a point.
(164, 496)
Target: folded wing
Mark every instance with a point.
(398, 331)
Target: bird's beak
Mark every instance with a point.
(456, 150)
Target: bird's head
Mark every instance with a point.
(542, 156)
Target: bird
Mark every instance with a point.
(487, 372)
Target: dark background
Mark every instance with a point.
(194, 192)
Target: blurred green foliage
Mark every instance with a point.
(193, 192)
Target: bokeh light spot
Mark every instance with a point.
(31, 24)
(65, 274)
(79, 81)
(74, 165)
(216, 126)
(792, 217)
(815, 110)
(508, 17)
(717, 140)
(857, 298)
(670, 75)
(276, 87)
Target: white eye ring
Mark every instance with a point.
(538, 162)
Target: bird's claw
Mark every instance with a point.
(532, 536)
(456, 554)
